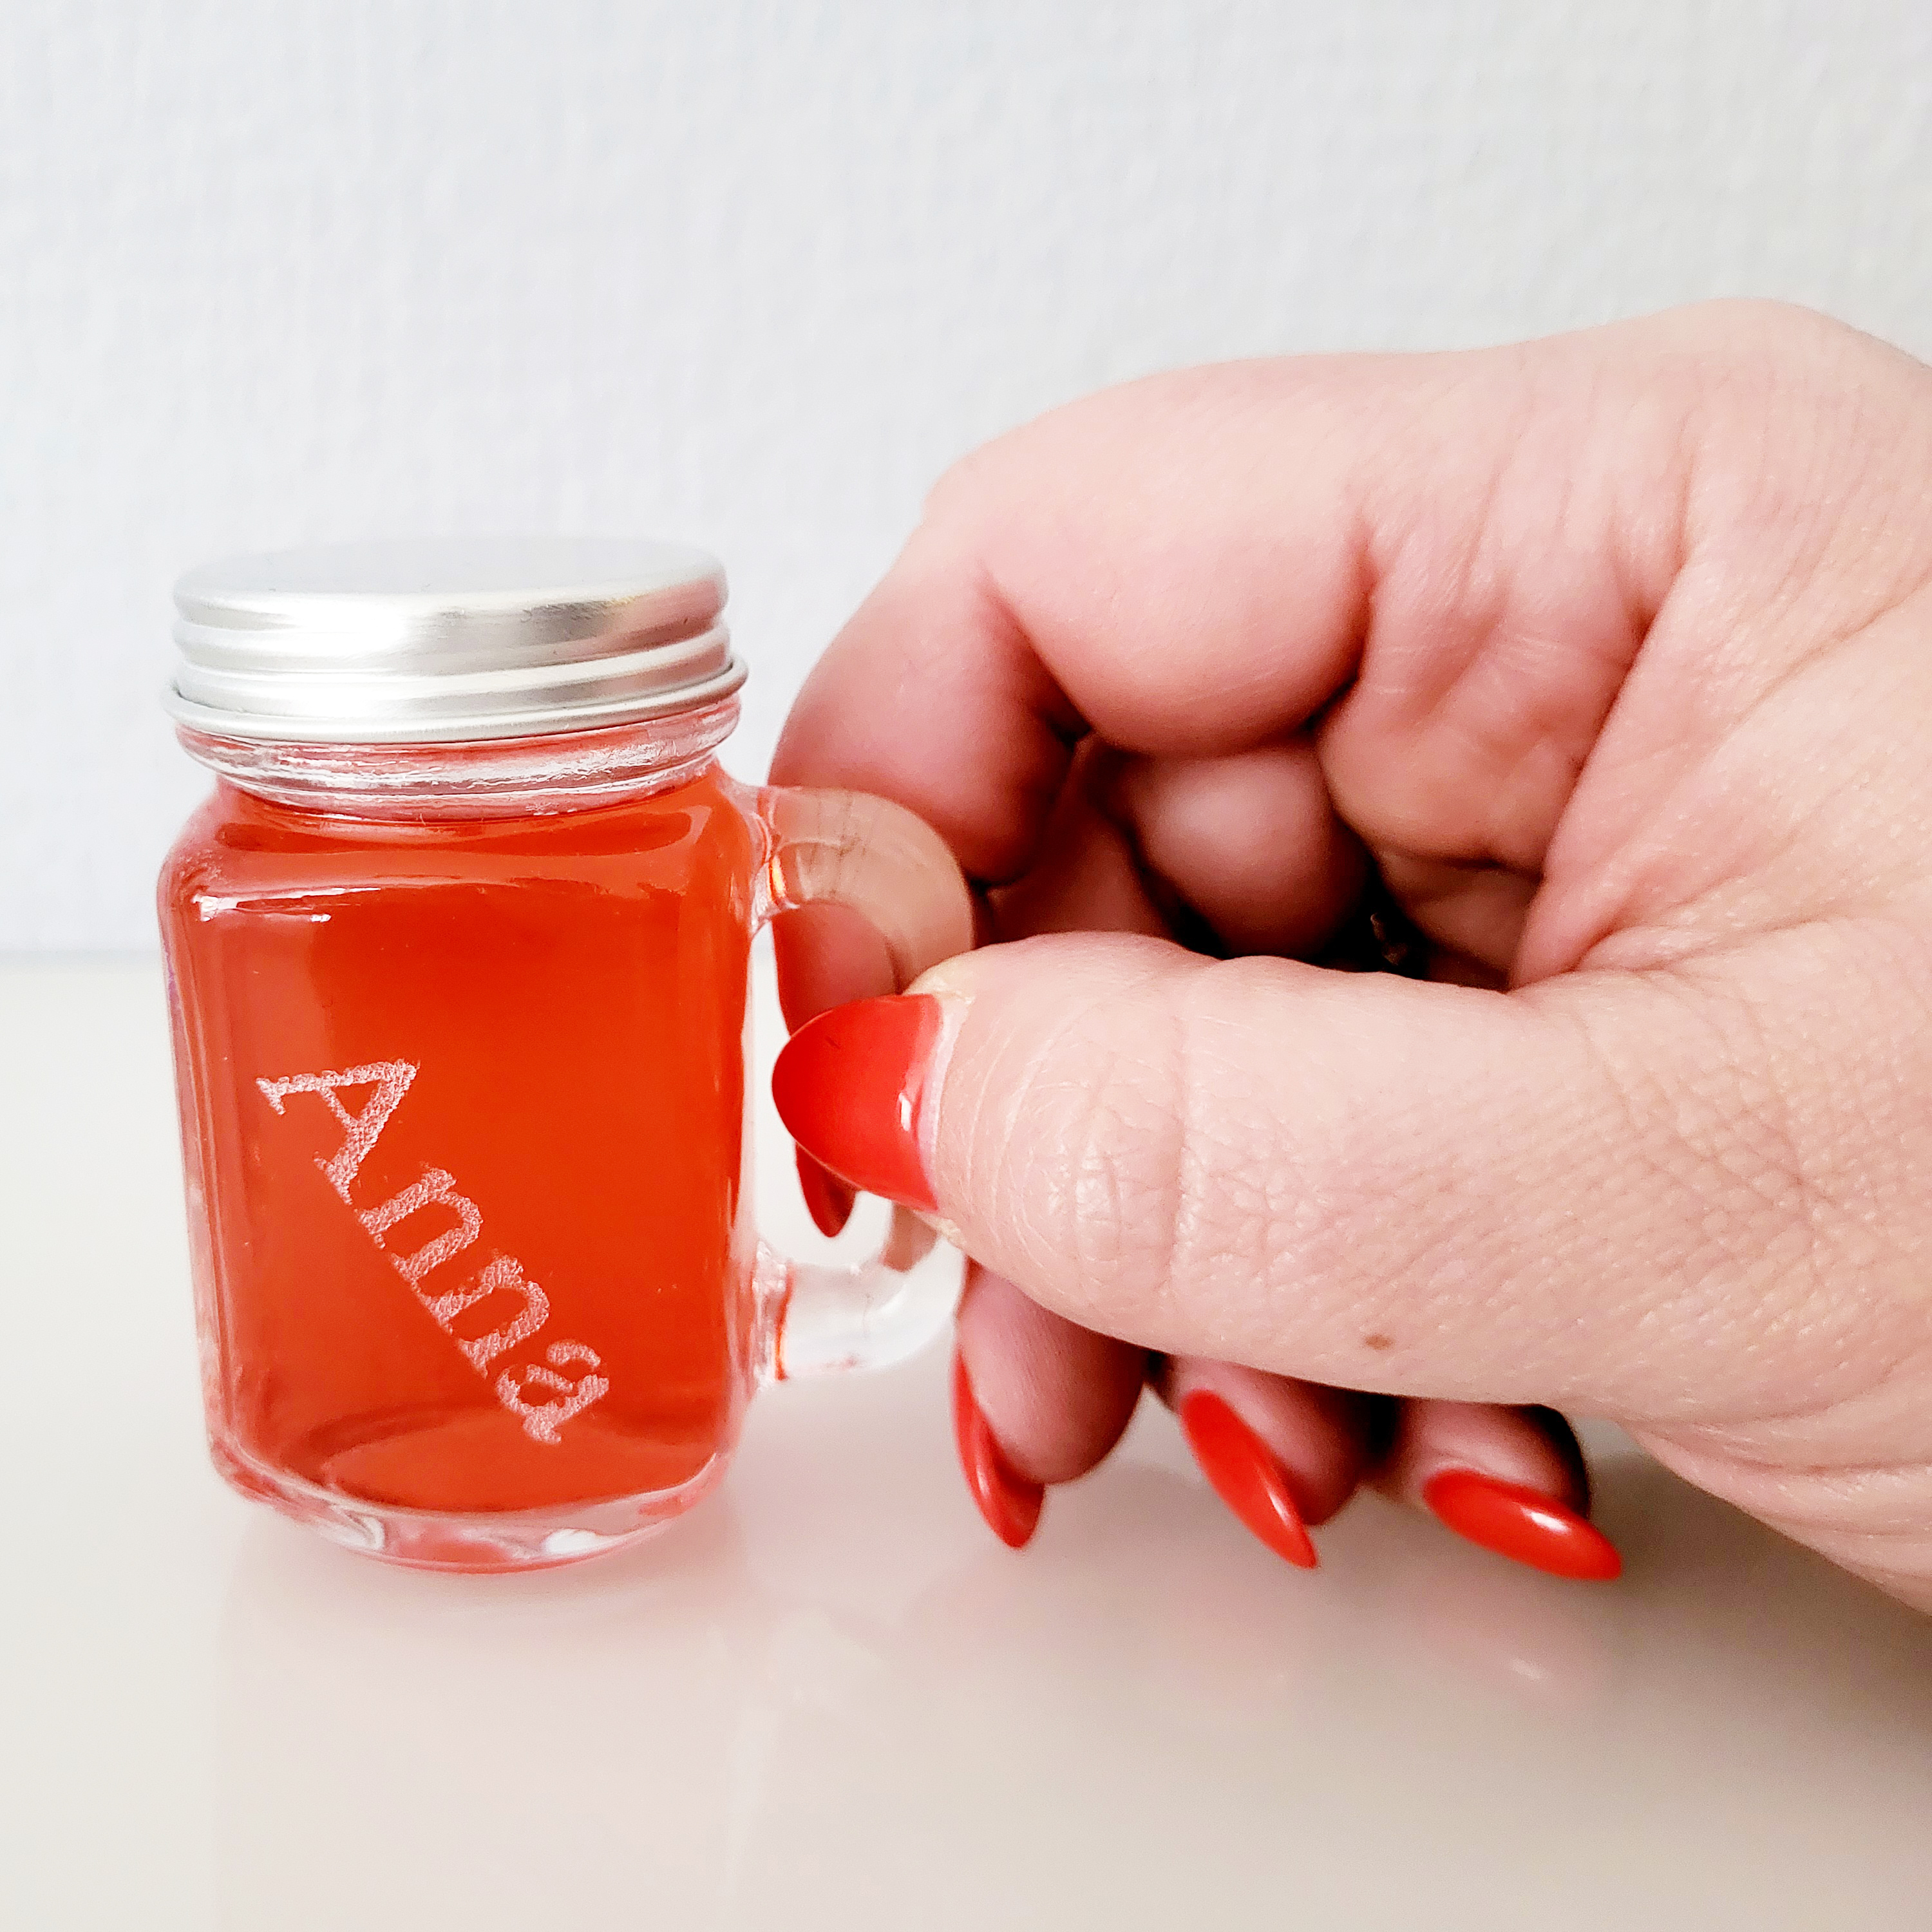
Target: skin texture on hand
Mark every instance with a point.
(1611, 656)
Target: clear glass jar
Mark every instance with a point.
(460, 1007)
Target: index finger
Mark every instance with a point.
(1204, 562)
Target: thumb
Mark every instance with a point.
(1572, 1192)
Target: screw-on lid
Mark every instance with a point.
(442, 641)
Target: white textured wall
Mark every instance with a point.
(278, 270)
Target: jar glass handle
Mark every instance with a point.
(847, 849)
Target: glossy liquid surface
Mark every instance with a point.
(464, 1108)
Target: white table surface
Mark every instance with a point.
(828, 1698)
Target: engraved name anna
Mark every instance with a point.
(569, 1395)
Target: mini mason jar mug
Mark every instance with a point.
(458, 960)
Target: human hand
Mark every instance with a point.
(1610, 657)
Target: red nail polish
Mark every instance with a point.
(1245, 1475)
(828, 1199)
(1523, 1524)
(1010, 1502)
(847, 1086)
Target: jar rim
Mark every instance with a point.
(530, 774)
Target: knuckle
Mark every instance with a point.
(1103, 1153)
(1767, 327)
(1191, 1203)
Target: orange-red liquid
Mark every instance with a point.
(570, 992)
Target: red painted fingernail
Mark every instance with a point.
(1247, 1476)
(828, 1198)
(1523, 1524)
(847, 1086)
(1010, 1502)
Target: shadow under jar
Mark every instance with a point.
(458, 957)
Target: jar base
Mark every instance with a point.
(478, 1542)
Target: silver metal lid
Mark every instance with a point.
(444, 641)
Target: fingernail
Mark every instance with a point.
(1010, 1502)
(829, 1200)
(848, 1085)
(1245, 1475)
(1523, 1524)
